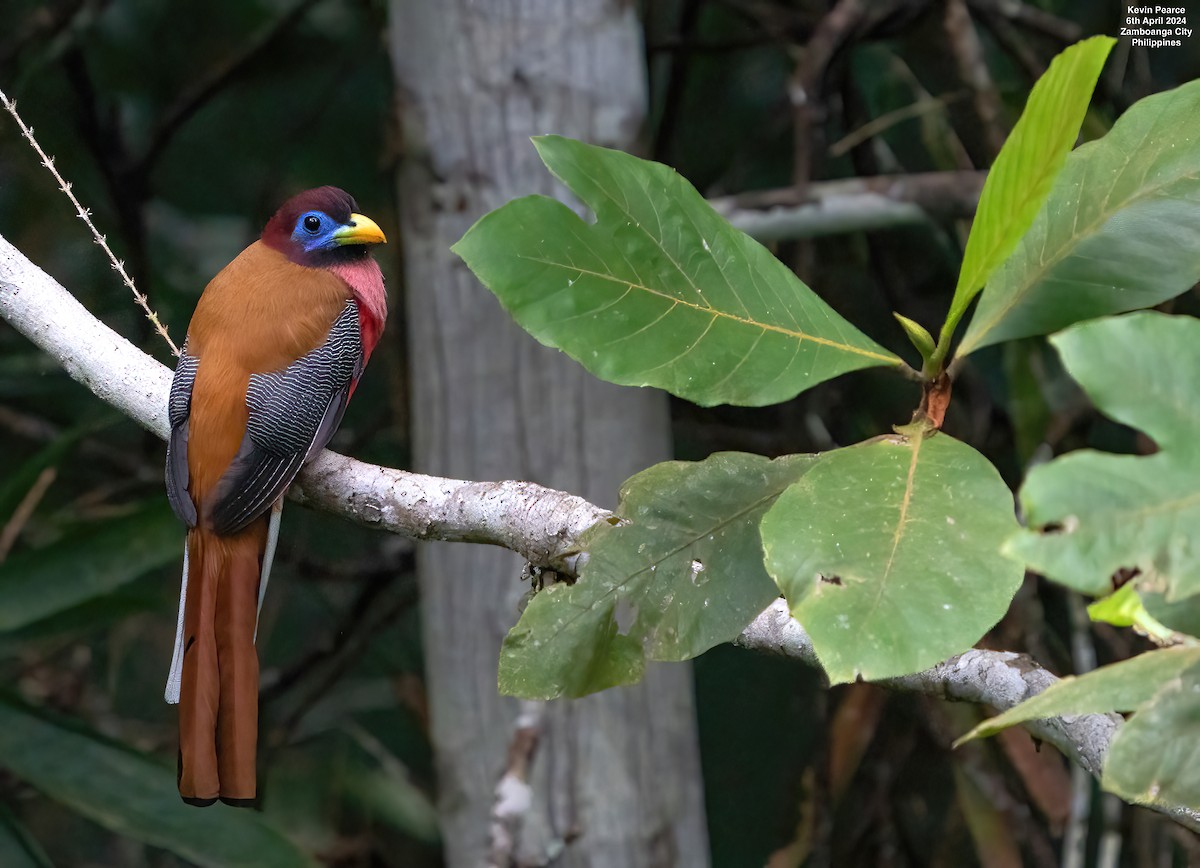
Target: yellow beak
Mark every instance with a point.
(360, 230)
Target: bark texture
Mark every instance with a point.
(614, 779)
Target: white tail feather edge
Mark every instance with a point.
(175, 676)
(268, 557)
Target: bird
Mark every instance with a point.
(274, 350)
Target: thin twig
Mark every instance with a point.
(41, 27)
(275, 685)
(1083, 654)
(889, 119)
(209, 84)
(348, 650)
(676, 81)
(513, 794)
(1013, 42)
(972, 68)
(806, 93)
(24, 511)
(85, 215)
(1032, 19)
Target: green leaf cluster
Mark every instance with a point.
(892, 552)
(682, 572)
(901, 551)
(81, 579)
(1120, 231)
(133, 795)
(889, 552)
(1096, 520)
(1025, 170)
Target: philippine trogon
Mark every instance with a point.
(274, 350)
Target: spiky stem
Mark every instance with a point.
(85, 215)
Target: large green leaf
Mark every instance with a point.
(1091, 514)
(1119, 231)
(889, 553)
(1028, 163)
(132, 795)
(92, 563)
(682, 574)
(1123, 686)
(660, 290)
(1156, 756)
(387, 791)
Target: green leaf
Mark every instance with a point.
(1090, 514)
(1122, 687)
(1126, 609)
(920, 337)
(684, 573)
(389, 793)
(1119, 231)
(889, 553)
(19, 849)
(1155, 756)
(1182, 616)
(1028, 163)
(90, 564)
(660, 290)
(132, 795)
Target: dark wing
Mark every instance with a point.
(293, 413)
(179, 406)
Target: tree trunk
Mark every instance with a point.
(615, 778)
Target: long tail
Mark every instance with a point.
(218, 666)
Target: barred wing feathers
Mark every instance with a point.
(293, 414)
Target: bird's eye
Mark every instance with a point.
(312, 223)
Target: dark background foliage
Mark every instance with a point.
(183, 125)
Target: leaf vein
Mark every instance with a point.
(793, 333)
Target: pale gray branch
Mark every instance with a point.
(1000, 679)
(852, 204)
(540, 524)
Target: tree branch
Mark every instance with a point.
(852, 204)
(538, 523)
(1000, 679)
(967, 51)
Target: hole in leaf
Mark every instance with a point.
(1068, 525)
(1124, 575)
(830, 580)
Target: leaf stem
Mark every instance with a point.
(935, 364)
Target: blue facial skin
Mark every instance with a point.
(315, 232)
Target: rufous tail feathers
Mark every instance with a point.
(218, 689)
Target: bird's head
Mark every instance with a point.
(320, 228)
